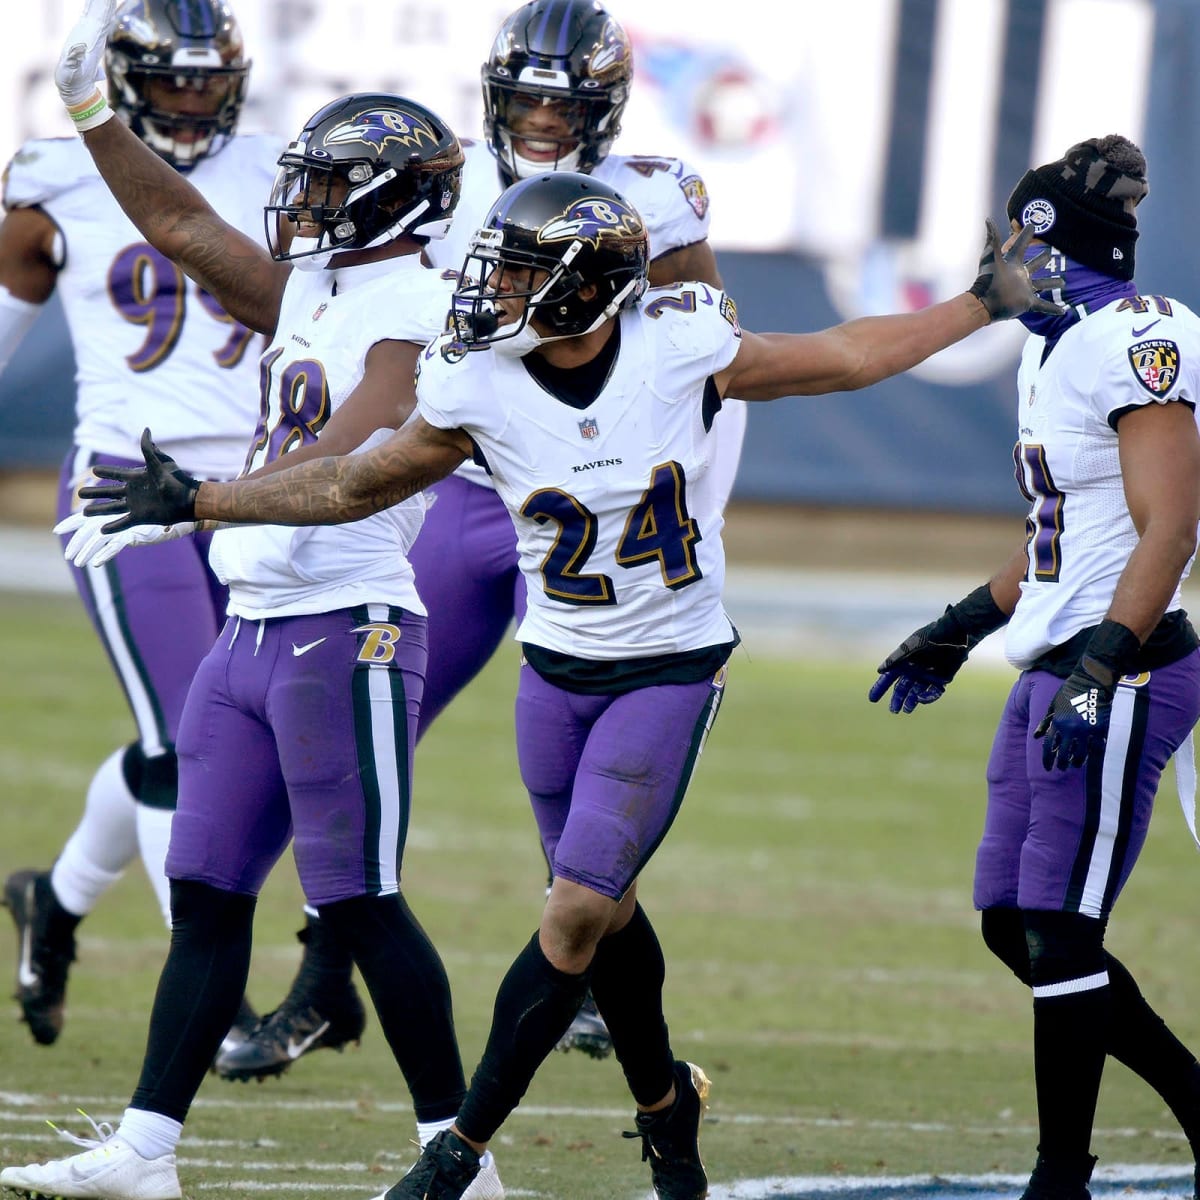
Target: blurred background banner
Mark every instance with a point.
(851, 152)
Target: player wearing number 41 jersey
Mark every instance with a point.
(150, 345)
(1108, 456)
(592, 403)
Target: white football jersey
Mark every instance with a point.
(618, 530)
(152, 349)
(1130, 353)
(669, 197)
(327, 324)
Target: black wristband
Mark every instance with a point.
(1114, 648)
(978, 614)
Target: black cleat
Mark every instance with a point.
(292, 1031)
(587, 1033)
(446, 1168)
(244, 1025)
(42, 960)
(1060, 1180)
(671, 1138)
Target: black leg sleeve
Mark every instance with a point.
(1140, 1039)
(534, 1006)
(411, 995)
(627, 985)
(199, 991)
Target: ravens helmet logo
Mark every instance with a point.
(376, 127)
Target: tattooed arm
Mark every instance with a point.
(332, 491)
(176, 219)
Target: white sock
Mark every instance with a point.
(151, 1134)
(154, 835)
(427, 1130)
(103, 844)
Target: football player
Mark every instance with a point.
(1108, 456)
(555, 86)
(593, 404)
(144, 338)
(301, 720)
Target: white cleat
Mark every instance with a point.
(486, 1185)
(111, 1170)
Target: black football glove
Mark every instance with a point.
(1004, 286)
(1076, 724)
(160, 493)
(919, 669)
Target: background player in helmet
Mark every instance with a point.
(593, 404)
(1108, 455)
(555, 85)
(144, 336)
(301, 720)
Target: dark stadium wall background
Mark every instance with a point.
(876, 449)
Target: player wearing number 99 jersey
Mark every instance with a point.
(151, 346)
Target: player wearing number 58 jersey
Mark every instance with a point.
(1108, 457)
(150, 346)
(592, 402)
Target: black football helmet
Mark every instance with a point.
(564, 50)
(365, 169)
(196, 45)
(571, 231)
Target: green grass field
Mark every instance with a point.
(813, 899)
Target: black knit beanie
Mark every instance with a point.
(1084, 203)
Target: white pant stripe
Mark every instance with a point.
(1120, 730)
(1068, 987)
(140, 700)
(387, 757)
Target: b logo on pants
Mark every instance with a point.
(379, 644)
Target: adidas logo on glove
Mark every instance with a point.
(1086, 704)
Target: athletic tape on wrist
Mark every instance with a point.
(91, 113)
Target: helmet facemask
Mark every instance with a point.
(580, 138)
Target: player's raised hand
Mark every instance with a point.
(79, 66)
(161, 493)
(1004, 286)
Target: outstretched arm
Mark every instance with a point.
(322, 491)
(174, 217)
(859, 353)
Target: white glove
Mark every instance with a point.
(79, 67)
(89, 547)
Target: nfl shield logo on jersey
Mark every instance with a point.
(1156, 364)
(588, 429)
(320, 310)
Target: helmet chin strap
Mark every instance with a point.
(301, 258)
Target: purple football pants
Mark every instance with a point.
(1068, 840)
(465, 559)
(156, 609)
(607, 774)
(301, 725)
